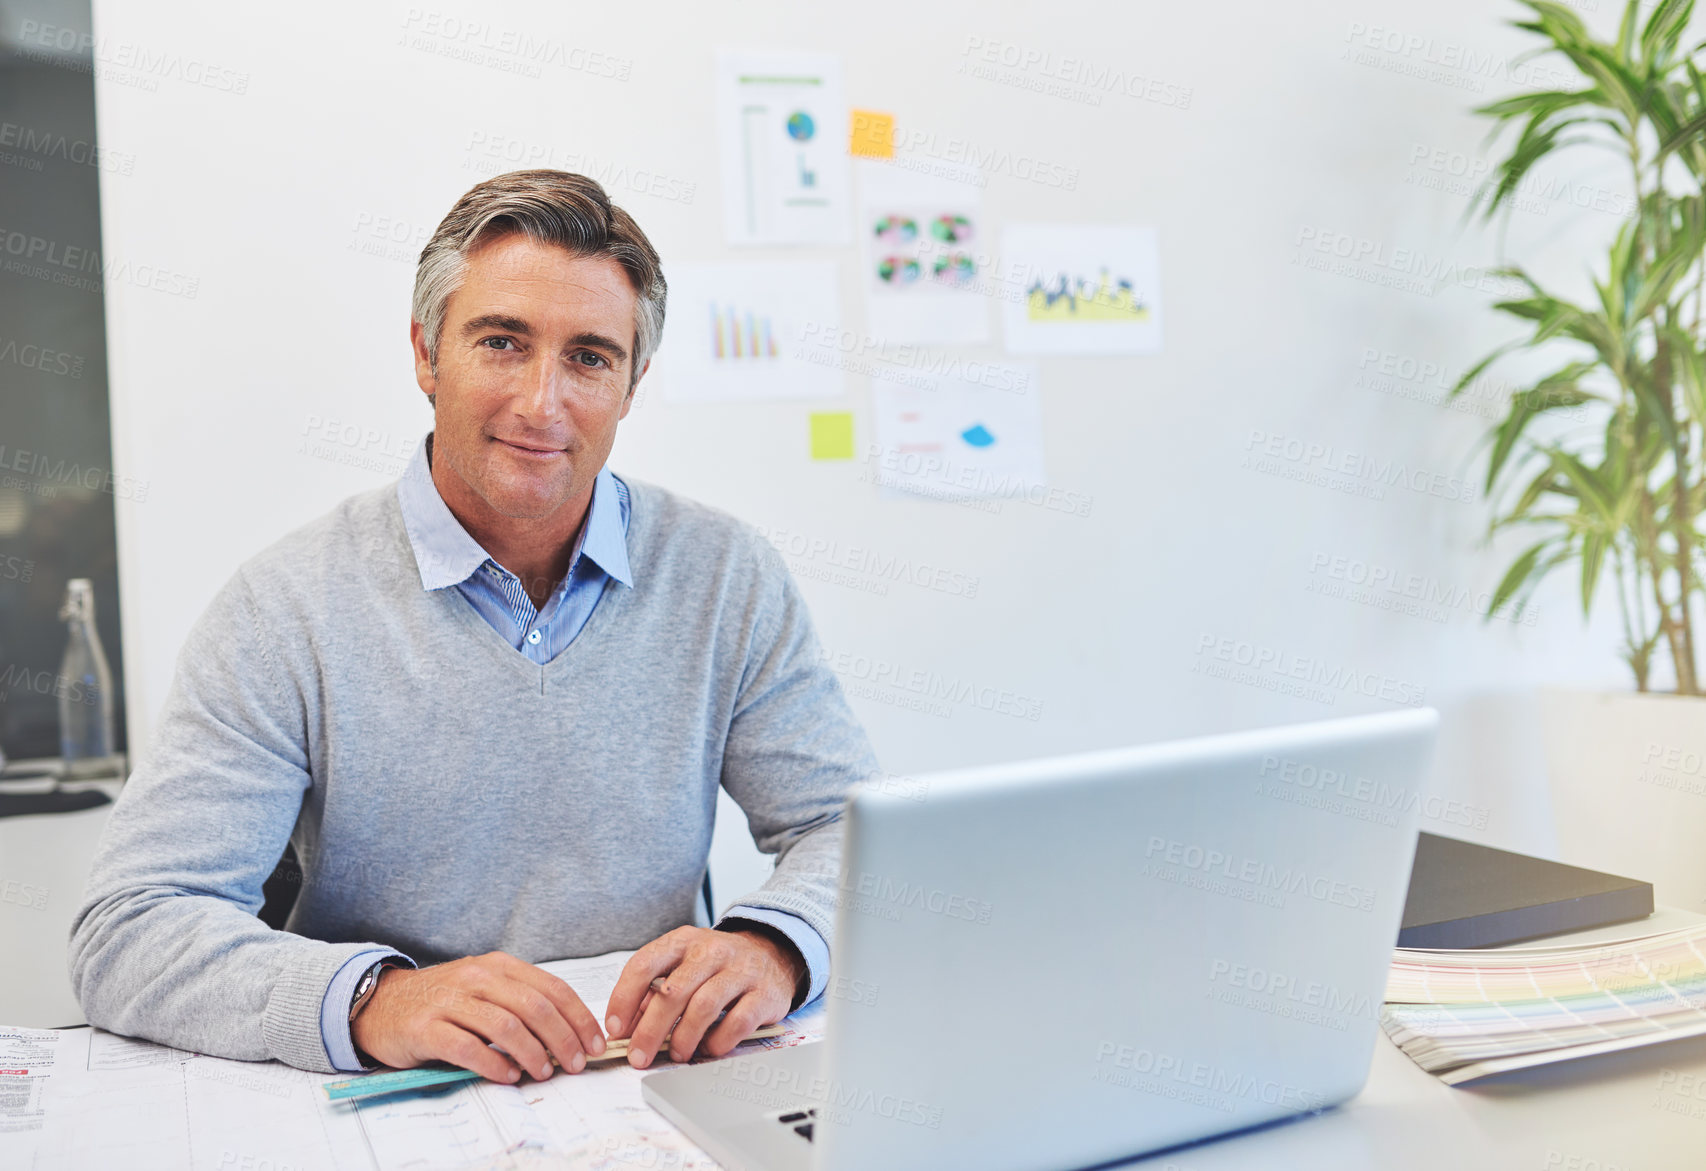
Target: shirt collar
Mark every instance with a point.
(447, 555)
(604, 536)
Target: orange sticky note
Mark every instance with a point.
(873, 135)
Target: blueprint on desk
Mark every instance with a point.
(83, 1098)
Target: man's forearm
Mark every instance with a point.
(197, 973)
(803, 887)
(166, 944)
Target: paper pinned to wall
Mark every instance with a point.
(1082, 289)
(763, 330)
(923, 254)
(971, 435)
(781, 123)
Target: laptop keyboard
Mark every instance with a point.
(801, 1121)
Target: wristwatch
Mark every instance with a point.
(364, 987)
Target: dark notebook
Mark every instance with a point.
(1467, 895)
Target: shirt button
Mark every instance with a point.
(533, 637)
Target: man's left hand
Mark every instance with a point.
(707, 971)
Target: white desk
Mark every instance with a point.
(1643, 1110)
(1610, 1113)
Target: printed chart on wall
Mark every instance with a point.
(975, 433)
(923, 255)
(1082, 290)
(782, 124)
(750, 331)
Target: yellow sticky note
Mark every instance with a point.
(873, 135)
(832, 434)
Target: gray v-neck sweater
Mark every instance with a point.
(447, 796)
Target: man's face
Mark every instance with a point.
(534, 372)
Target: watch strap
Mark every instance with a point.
(364, 990)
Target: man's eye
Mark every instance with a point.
(597, 359)
(498, 343)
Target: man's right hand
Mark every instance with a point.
(449, 1012)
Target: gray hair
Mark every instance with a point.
(548, 207)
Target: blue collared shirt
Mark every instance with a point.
(450, 558)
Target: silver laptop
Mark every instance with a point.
(1066, 962)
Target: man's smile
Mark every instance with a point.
(530, 451)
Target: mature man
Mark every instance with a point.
(491, 706)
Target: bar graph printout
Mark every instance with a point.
(82, 1098)
(752, 331)
(1463, 1015)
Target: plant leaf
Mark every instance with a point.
(1664, 29)
(1593, 555)
(1516, 576)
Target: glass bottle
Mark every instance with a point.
(84, 686)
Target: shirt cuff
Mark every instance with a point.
(334, 1008)
(813, 950)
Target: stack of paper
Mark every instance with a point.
(1463, 1015)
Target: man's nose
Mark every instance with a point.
(540, 401)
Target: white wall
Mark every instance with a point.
(270, 200)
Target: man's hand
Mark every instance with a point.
(708, 971)
(450, 1011)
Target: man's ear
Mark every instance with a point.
(424, 373)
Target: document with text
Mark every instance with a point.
(83, 1098)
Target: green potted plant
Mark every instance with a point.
(1601, 461)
